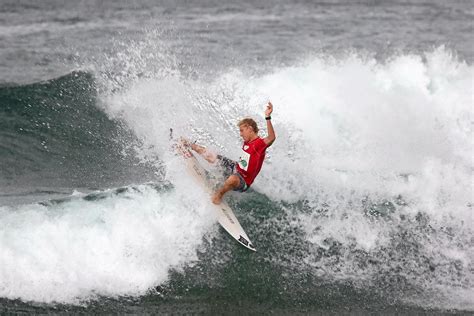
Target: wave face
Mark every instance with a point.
(53, 133)
(365, 198)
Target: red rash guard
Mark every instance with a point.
(251, 159)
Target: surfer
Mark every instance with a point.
(241, 174)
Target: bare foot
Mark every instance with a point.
(217, 198)
(185, 142)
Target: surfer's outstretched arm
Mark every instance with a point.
(271, 132)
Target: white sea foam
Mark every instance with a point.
(355, 129)
(351, 132)
(119, 245)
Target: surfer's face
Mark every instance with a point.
(246, 132)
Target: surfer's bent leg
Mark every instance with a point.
(229, 167)
(242, 184)
(231, 183)
(234, 181)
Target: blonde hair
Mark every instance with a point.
(249, 122)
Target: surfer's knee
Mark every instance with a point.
(233, 181)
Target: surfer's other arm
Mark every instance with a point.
(271, 132)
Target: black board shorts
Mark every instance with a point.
(229, 167)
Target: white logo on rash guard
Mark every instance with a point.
(244, 160)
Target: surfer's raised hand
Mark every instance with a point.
(271, 132)
(269, 109)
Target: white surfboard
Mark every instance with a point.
(226, 217)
